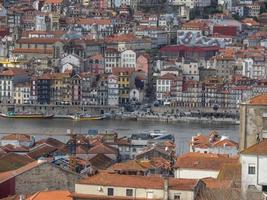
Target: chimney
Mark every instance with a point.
(166, 188)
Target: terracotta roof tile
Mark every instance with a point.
(52, 142)
(148, 182)
(33, 50)
(42, 150)
(131, 165)
(259, 100)
(13, 72)
(38, 40)
(101, 162)
(103, 149)
(230, 171)
(53, 1)
(225, 142)
(51, 195)
(10, 174)
(206, 161)
(12, 148)
(103, 197)
(213, 183)
(91, 21)
(256, 149)
(12, 161)
(18, 137)
(118, 70)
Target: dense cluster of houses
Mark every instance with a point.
(102, 165)
(114, 53)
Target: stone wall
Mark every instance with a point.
(45, 177)
(58, 109)
(251, 124)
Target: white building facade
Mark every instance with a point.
(254, 172)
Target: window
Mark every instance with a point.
(264, 188)
(251, 169)
(149, 195)
(129, 192)
(177, 196)
(110, 191)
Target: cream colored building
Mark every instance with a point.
(253, 121)
(22, 93)
(195, 165)
(111, 186)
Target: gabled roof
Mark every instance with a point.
(230, 171)
(52, 142)
(12, 148)
(101, 162)
(259, 100)
(118, 70)
(38, 40)
(168, 76)
(41, 151)
(132, 181)
(18, 137)
(33, 50)
(225, 143)
(13, 72)
(53, 1)
(10, 174)
(131, 165)
(256, 149)
(12, 161)
(103, 149)
(213, 183)
(51, 195)
(204, 161)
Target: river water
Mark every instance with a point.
(57, 128)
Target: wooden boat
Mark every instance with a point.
(26, 116)
(89, 117)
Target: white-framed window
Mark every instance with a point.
(177, 196)
(129, 192)
(251, 169)
(149, 195)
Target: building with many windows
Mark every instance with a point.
(116, 186)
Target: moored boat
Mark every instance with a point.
(26, 116)
(89, 117)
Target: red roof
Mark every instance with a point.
(53, 1)
(204, 161)
(13, 72)
(148, 182)
(103, 148)
(213, 183)
(256, 149)
(10, 174)
(225, 30)
(51, 195)
(33, 50)
(260, 100)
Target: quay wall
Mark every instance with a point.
(58, 109)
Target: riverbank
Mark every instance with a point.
(173, 118)
(57, 128)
